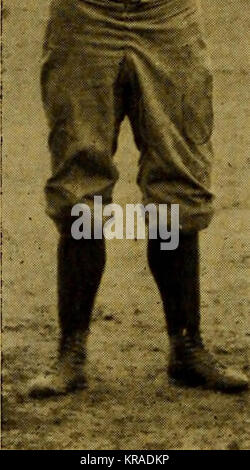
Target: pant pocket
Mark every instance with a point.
(198, 116)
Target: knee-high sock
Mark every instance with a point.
(80, 267)
(177, 276)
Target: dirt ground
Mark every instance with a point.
(129, 403)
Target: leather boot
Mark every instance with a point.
(192, 365)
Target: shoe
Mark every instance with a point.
(66, 376)
(54, 384)
(192, 365)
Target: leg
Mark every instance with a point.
(82, 103)
(80, 268)
(176, 121)
(177, 276)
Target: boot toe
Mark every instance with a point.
(45, 386)
(232, 381)
(54, 385)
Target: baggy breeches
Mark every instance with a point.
(104, 60)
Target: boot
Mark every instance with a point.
(192, 365)
(177, 276)
(67, 374)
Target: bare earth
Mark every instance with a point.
(129, 403)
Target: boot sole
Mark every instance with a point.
(180, 382)
(52, 393)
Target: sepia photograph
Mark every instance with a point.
(125, 228)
